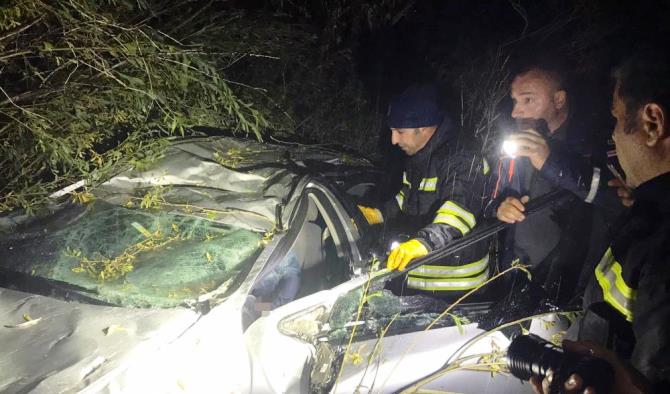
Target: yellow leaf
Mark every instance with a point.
(141, 229)
(82, 197)
(355, 358)
(114, 328)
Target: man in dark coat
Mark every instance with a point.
(554, 150)
(440, 199)
(627, 301)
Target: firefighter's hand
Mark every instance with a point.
(532, 145)
(511, 210)
(372, 215)
(404, 253)
(626, 379)
(623, 191)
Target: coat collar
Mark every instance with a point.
(438, 139)
(655, 190)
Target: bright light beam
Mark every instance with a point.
(510, 148)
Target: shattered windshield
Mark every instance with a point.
(131, 256)
(381, 310)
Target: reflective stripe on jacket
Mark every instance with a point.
(627, 301)
(449, 278)
(440, 200)
(615, 290)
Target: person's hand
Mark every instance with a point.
(404, 253)
(511, 210)
(372, 215)
(532, 145)
(626, 379)
(623, 191)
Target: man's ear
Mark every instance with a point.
(560, 99)
(428, 130)
(654, 122)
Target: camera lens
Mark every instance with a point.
(530, 355)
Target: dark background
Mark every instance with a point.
(304, 71)
(453, 44)
(390, 45)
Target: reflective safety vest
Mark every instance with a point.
(441, 196)
(459, 274)
(449, 278)
(615, 290)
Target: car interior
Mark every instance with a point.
(321, 264)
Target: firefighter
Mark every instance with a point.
(440, 199)
(627, 301)
(554, 150)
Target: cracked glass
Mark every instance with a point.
(130, 256)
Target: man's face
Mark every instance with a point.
(630, 146)
(534, 95)
(411, 140)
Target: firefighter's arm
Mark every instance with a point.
(498, 186)
(451, 221)
(372, 215)
(455, 217)
(586, 176)
(651, 319)
(389, 210)
(404, 253)
(512, 209)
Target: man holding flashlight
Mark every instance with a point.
(551, 151)
(439, 201)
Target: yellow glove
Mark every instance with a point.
(404, 253)
(372, 215)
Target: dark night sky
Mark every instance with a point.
(454, 33)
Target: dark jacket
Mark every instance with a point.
(558, 241)
(441, 199)
(627, 301)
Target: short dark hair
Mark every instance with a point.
(644, 77)
(554, 74)
(549, 63)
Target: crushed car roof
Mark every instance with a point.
(245, 179)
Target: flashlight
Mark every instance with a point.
(510, 148)
(530, 355)
(394, 245)
(396, 241)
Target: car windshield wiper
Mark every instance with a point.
(485, 231)
(48, 287)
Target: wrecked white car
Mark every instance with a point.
(228, 266)
(149, 286)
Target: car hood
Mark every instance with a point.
(54, 346)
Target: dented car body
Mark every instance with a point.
(230, 266)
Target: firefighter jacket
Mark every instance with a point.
(441, 200)
(559, 240)
(627, 301)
